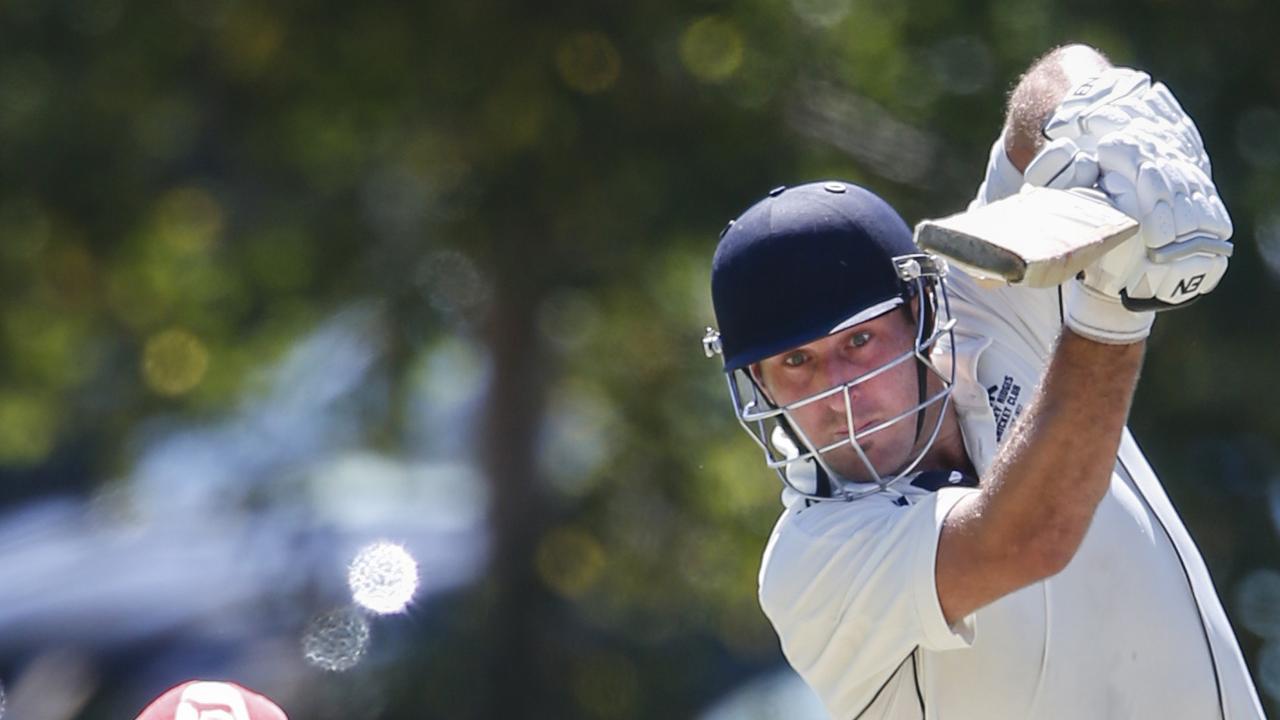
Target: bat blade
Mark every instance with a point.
(1039, 238)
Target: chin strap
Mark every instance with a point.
(822, 488)
(822, 485)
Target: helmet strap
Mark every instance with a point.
(921, 384)
(822, 481)
(926, 324)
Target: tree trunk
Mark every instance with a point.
(519, 681)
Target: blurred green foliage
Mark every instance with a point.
(186, 188)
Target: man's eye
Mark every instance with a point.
(859, 339)
(794, 360)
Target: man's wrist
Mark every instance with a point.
(1102, 318)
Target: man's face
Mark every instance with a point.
(835, 360)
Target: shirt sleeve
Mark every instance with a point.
(850, 588)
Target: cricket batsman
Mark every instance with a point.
(970, 532)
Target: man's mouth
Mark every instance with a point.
(842, 433)
(844, 429)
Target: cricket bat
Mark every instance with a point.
(1037, 238)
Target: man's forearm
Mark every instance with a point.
(1047, 481)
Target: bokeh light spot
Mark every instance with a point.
(188, 219)
(711, 48)
(28, 425)
(336, 641)
(47, 346)
(569, 319)
(517, 113)
(73, 274)
(578, 439)
(1258, 602)
(821, 13)
(174, 362)
(249, 40)
(453, 284)
(588, 62)
(569, 561)
(725, 495)
(383, 578)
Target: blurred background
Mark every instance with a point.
(351, 350)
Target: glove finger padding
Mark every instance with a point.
(1219, 222)
(1062, 164)
(1152, 185)
(1186, 218)
(1070, 119)
(1163, 103)
(1120, 99)
(1170, 196)
(1122, 153)
(1155, 198)
(1167, 106)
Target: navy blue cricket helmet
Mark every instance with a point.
(803, 263)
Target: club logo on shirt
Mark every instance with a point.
(1004, 403)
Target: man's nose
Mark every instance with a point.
(840, 372)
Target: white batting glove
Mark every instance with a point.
(1133, 140)
(1116, 98)
(1185, 228)
(1179, 254)
(1001, 179)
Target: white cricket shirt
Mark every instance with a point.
(1132, 628)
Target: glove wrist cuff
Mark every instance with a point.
(1102, 318)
